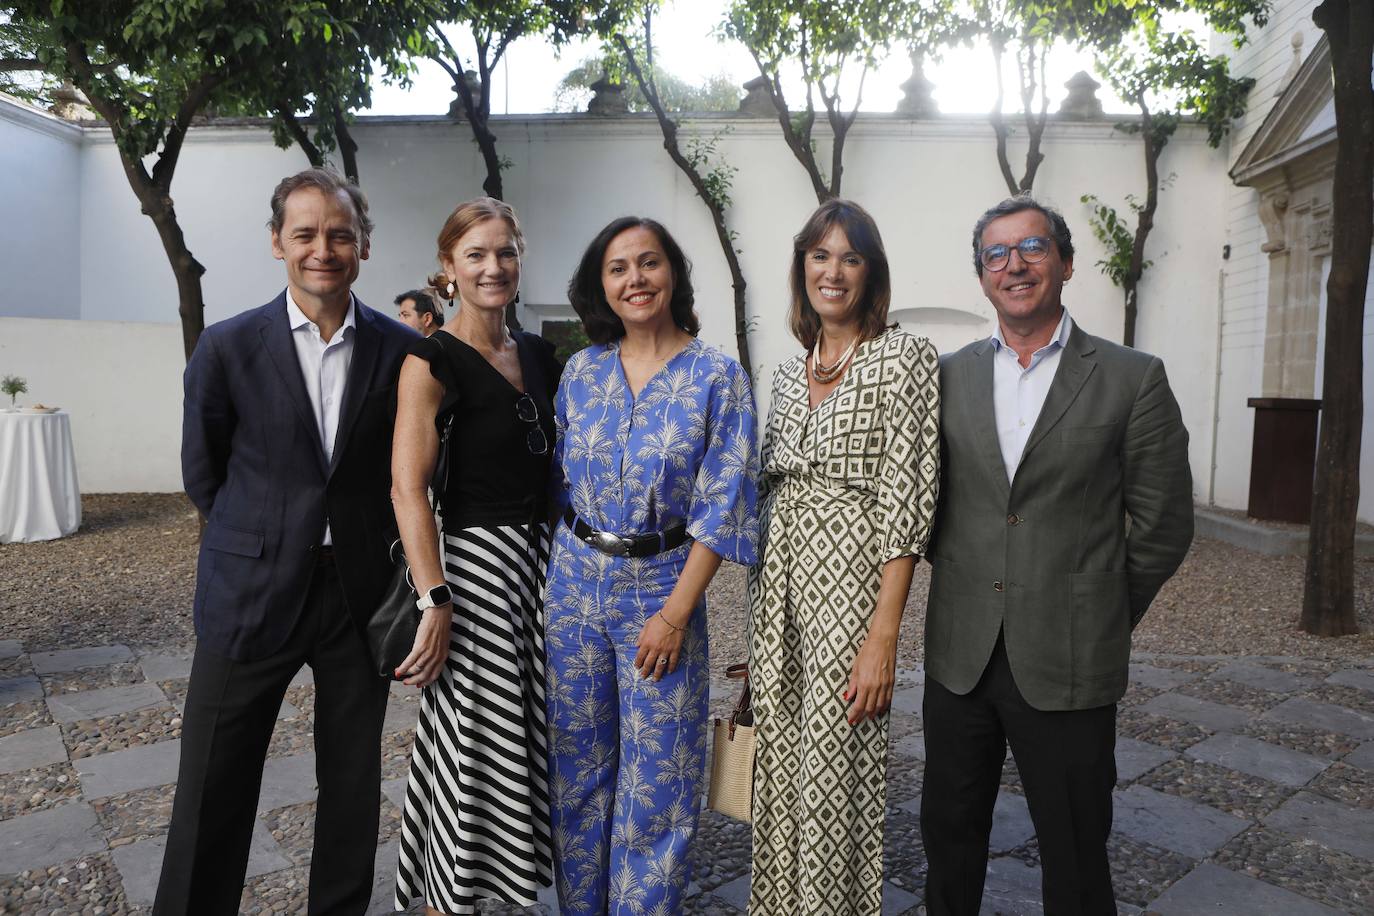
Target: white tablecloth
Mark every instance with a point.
(39, 496)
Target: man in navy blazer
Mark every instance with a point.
(286, 451)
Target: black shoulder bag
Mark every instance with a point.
(392, 627)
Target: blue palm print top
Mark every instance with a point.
(683, 450)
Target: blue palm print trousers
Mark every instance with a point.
(627, 753)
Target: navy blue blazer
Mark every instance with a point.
(252, 463)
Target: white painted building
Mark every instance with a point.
(88, 302)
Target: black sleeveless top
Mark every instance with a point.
(493, 476)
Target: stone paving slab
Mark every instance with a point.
(909, 700)
(400, 715)
(48, 837)
(1262, 678)
(1362, 756)
(911, 746)
(1332, 824)
(1173, 823)
(108, 701)
(897, 900)
(287, 781)
(1210, 890)
(1325, 716)
(74, 659)
(1259, 758)
(384, 880)
(166, 667)
(735, 893)
(10, 648)
(19, 689)
(34, 747)
(1216, 716)
(128, 770)
(395, 790)
(140, 864)
(1011, 823)
(1136, 758)
(1012, 888)
(1160, 678)
(1354, 677)
(306, 676)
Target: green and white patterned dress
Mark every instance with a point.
(850, 486)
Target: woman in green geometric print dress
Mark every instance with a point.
(851, 462)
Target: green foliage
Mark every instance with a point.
(716, 174)
(1172, 75)
(13, 386)
(1119, 240)
(21, 73)
(715, 93)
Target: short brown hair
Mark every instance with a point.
(464, 216)
(328, 181)
(863, 236)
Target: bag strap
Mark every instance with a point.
(745, 703)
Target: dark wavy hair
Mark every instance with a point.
(864, 238)
(588, 296)
(1059, 229)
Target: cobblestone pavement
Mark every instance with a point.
(1246, 786)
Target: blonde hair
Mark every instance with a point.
(464, 217)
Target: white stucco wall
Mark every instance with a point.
(121, 383)
(924, 181)
(40, 194)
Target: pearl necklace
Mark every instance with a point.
(827, 374)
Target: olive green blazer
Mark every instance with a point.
(1050, 559)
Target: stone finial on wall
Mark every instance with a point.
(455, 108)
(608, 98)
(918, 99)
(69, 104)
(1293, 68)
(1082, 101)
(756, 102)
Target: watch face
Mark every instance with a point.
(440, 594)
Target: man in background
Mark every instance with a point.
(418, 309)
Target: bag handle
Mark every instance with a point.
(744, 706)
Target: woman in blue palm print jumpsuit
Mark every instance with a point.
(628, 751)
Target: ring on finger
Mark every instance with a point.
(661, 661)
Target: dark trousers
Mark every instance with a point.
(231, 709)
(1068, 769)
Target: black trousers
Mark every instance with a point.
(1068, 769)
(231, 709)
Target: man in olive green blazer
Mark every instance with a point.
(1065, 504)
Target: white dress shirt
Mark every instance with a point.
(1018, 394)
(324, 367)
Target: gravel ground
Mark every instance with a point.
(1224, 600)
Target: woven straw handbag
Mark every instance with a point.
(732, 763)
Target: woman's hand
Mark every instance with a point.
(871, 679)
(660, 644)
(422, 666)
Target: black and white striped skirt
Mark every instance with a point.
(476, 821)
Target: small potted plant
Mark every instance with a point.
(13, 386)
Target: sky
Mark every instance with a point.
(685, 46)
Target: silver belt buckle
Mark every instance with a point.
(609, 543)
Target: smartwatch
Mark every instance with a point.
(437, 596)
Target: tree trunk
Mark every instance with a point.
(723, 234)
(157, 204)
(1328, 606)
(999, 124)
(1144, 223)
(302, 137)
(348, 148)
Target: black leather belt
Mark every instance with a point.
(641, 545)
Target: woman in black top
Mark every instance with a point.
(476, 821)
